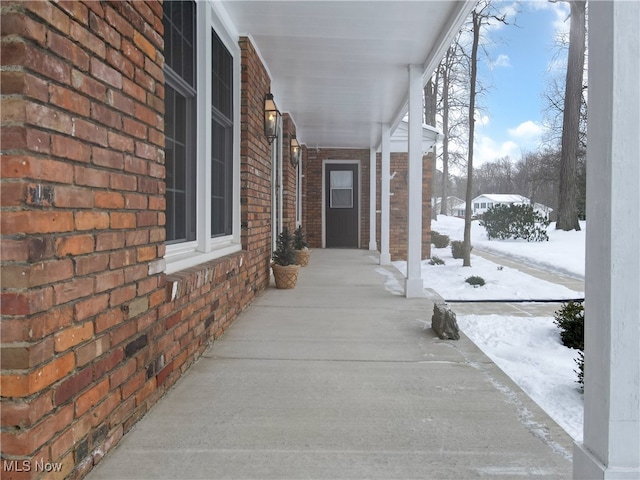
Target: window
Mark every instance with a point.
(180, 93)
(476, 205)
(483, 205)
(202, 131)
(341, 189)
(221, 138)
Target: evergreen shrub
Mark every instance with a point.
(439, 240)
(299, 239)
(435, 260)
(475, 280)
(570, 321)
(457, 249)
(284, 253)
(515, 221)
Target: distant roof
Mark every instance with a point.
(503, 197)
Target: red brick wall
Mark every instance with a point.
(398, 206)
(288, 175)
(82, 224)
(255, 170)
(93, 331)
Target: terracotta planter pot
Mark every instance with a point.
(302, 257)
(286, 277)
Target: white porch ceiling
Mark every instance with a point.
(340, 67)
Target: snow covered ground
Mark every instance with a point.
(528, 349)
(563, 253)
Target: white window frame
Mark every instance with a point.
(187, 254)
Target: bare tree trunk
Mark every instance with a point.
(567, 208)
(472, 106)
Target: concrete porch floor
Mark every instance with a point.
(339, 378)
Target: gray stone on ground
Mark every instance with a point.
(444, 322)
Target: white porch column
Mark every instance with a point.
(413, 283)
(385, 194)
(611, 446)
(373, 244)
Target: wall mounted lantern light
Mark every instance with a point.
(271, 117)
(296, 151)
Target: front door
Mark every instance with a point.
(341, 205)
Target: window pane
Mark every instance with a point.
(221, 78)
(180, 206)
(341, 179)
(341, 198)
(169, 111)
(341, 184)
(180, 168)
(221, 179)
(180, 47)
(180, 127)
(221, 138)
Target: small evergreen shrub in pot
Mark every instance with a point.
(284, 266)
(300, 245)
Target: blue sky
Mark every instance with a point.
(522, 59)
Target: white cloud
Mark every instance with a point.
(522, 138)
(503, 60)
(488, 150)
(527, 131)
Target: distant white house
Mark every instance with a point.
(450, 205)
(484, 202)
